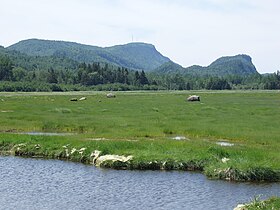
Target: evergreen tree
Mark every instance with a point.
(126, 79)
(52, 76)
(5, 68)
(136, 78)
(18, 74)
(143, 79)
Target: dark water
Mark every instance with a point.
(51, 184)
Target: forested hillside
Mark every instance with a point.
(224, 66)
(21, 72)
(51, 71)
(31, 63)
(138, 56)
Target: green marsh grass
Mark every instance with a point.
(269, 204)
(142, 124)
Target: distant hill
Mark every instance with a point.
(134, 55)
(230, 65)
(42, 54)
(31, 63)
(170, 68)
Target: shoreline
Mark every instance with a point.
(120, 162)
(256, 203)
(103, 159)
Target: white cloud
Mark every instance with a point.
(189, 32)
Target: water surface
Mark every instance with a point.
(52, 184)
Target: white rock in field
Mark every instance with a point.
(225, 144)
(224, 159)
(37, 146)
(193, 98)
(179, 138)
(73, 150)
(81, 151)
(95, 155)
(67, 152)
(111, 95)
(98, 160)
(112, 158)
(82, 99)
(240, 207)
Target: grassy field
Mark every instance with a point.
(143, 124)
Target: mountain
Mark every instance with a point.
(133, 55)
(36, 53)
(239, 64)
(229, 65)
(170, 68)
(31, 63)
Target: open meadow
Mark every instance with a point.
(233, 135)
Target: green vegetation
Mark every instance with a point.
(96, 76)
(144, 124)
(139, 56)
(231, 65)
(40, 65)
(272, 203)
(24, 73)
(37, 63)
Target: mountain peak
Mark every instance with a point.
(227, 65)
(239, 57)
(138, 44)
(238, 64)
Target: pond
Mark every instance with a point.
(35, 133)
(53, 184)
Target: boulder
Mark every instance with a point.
(95, 155)
(99, 160)
(224, 160)
(112, 158)
(111, 95)
(193, 98)
(240, 207)
(82, 99)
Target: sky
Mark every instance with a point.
(189, 32)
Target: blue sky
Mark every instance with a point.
(187, 31)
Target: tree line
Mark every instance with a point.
(95, 76)
(102, 76)
(236, 82)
